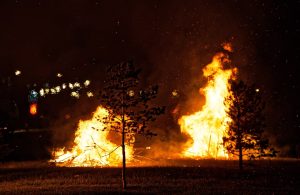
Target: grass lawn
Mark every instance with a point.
(183, 177)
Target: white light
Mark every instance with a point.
(57, 88)
(59, 75)
(63, 86)
(17, 72)
(71, 86)
(90, 94)
(87, 83)
(76, 84)
(257, 90)
(75, 94)
(42, 92)
(53, 91)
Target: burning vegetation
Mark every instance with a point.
(92, 146)
(207, 126)
(97, 141)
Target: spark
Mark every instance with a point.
(227, 47)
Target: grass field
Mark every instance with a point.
(183, 177)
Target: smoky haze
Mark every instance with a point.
(170, 40)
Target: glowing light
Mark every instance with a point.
(75, 87)
(257, 90)
(90, 94)
(75, 94)
(207, 126)
(33, 109)
(76, 84)
(64, 86)
(18, 72)
(53, 91)
(175, 93)
(42, 92)
(227, 47)
(57, 88)
(33, 96)
(87, 83)
(71, 86)
(59, 75)
(131, 93)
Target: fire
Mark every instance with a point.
(206, 127)
(92, 146)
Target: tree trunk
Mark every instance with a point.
(124, 158)
(123, 141)
(239, 141)
(240, 157)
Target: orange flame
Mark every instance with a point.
(33, 109)
(92, 146)
(206, 127)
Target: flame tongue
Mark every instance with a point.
(92, 146)
(207, 126)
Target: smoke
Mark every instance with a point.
(65, 123)
(170, 40)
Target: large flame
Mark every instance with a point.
(207, 126)
(92, 146)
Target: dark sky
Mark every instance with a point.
(171, 40)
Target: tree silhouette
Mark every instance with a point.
(128, 105)
(246, 127)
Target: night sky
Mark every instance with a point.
(170, 40)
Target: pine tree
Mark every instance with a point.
(129, 106)
(246, 127)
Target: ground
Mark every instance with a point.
(183, 177)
